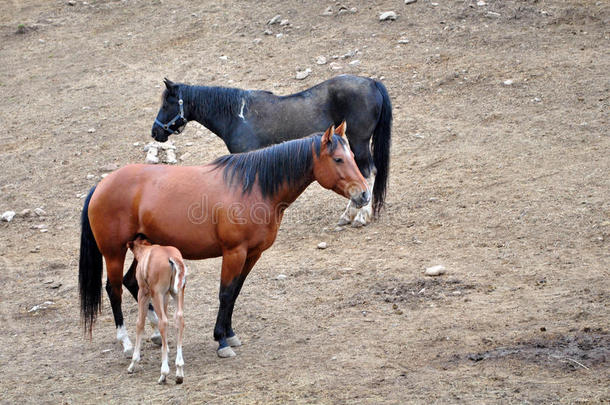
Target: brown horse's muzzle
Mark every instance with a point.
(361, 199)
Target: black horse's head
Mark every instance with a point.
(170, 119)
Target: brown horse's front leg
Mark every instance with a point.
(232, 264)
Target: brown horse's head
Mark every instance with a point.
(335, 168)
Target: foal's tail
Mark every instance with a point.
(179, 271)
(381, 149)
(89, 271)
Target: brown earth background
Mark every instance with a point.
(506, 185)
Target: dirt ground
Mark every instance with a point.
(506, 184)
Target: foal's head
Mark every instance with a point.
(137, 245)
(335, 168)
(170, 118)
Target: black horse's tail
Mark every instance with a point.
(89, 271)
(381, 149)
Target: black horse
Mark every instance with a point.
(251, 119)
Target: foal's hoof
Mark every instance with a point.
(156, 338)
(179, 380)
(343, 221)
(225, 352)
(128, 352)
(233, 341)
(161, 379)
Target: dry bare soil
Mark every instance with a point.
(506, 185)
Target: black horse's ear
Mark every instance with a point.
(168, 83)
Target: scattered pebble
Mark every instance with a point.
(8, 216)
(136, 144)
(90, 176)
(302, 74)
(26, 213)
(322, 245)
(189, 144)
(281, 277)
(321, 60)
(435, 270)
(91, 130)
(151, 156)
(257, 41)
(388, 15)
(537, 100)
(279, 35)
(410, 1)
(35, 249)
(283, 23)
(110, 167)
(355, 62)
(481, 3)
(335, 66)
(274, 20)
(40, 212)
(268, 32)
(508, 82)
(71, 3)
(170, 157)
(403, 41)
(184, 156)
(492, 14)
(44, 305)
(223, 57)
(328, 11)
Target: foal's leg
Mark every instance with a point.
(143, 301)
(232, 338)
(131, 283)
(348, 215)
(232, 264)
(160, 305)
(179, 318)
(114, 269)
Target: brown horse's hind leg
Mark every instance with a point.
(131, 283)
(114, 288)
(232, 264)
(232, 338)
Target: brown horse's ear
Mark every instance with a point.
(326, 138)
(340, 130)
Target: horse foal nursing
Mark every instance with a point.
(161, 272)
(155, 201)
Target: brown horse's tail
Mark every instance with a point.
(89, 271)
(381, 149)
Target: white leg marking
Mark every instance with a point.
(348, 215)
(234, 341)
(226, 352)
(179, 365)
(123, 337)
(154, 324)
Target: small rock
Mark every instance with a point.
(349, 54)
(435, 270)
(136, 144)
(274, 20)
(110, 167)
(39, 226)
(189, 144)
(283, 23)
(90, 176)
(403, 41)
(481, 3)
(35, 249)
(26, 213)
(302, 74)
(328, 11)
(44, 305)
(8, 216)
(44, 230)
(322, 245)
(388, 15)
(279, 35)
(170, 157)
(508, 82)
(223, 57)
(434, 4)
(184, 156)
(40, 212)
(268, 32)
(151, 156)
(335, 66)
(492, 14)
(537, 100)
(353, 10)
(355, 62)
(71, 3)
(91, 130)
(102, 176)
(321, 60)
(257, 41)
(281, 277)
(418, 135)
(410, 1)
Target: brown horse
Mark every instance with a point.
(230, 208)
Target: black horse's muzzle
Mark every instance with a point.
(161, 131)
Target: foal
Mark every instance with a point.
(161, 272)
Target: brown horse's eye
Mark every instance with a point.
(338, 160)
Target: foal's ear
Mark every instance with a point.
(169, 84)
(326, 138)
(340, 130)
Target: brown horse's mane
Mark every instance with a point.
(286, 162)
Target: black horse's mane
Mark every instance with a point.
(214, 102)
(286, 162)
